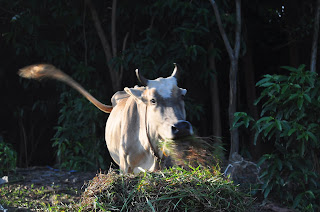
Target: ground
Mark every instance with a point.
(42, 187)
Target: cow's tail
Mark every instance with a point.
(40, 71)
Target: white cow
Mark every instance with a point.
(139, 118)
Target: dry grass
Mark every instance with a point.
(174, 189)
(179, 188)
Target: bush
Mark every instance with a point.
(79, 139)
(174, 189)
(8, 158)
(290, 118)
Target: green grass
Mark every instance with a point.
(36, 197)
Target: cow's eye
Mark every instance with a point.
(182, 97)
(153, 101)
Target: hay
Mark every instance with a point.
(192, 151)
(174, 189)
(178, 188)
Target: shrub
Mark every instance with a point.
(8, 158)
(290, 119)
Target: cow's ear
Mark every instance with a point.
(135, 93)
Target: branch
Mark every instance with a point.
(113, 28)
(123, 49)
(238, 29)
(314, 49)
(221, 29)
(84, 36)
(102, 35)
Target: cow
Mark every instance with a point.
(139, 119)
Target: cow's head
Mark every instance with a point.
(164, 100)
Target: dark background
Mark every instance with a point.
(48, 123)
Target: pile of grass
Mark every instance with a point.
(174, 189)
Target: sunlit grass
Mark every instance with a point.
(174, 189)
(35, 197)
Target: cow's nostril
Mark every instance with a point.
(181, 129)
(175, 130)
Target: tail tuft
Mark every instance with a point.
(38, 71)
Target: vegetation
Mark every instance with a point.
(78, 139)
(290, 121)
(35, 197)
(174, 189)
(48, 123)
(8, 158)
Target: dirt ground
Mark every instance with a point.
(36, 187)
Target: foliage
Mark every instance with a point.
(290, 120)
(174, 189)
(62, 33)
(49, 32)
(8, 158)
(79, 137)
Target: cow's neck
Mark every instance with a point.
(153, 147)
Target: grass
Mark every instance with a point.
(174, 189)
(179, 188)
(14, 196)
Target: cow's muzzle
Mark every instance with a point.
(181, 129)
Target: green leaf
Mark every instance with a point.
(269, 127)
(311, 194)
(265, 119)
(279, 164)
(267, 84)
(261, 161)
(291, 131)
(307, 97)
(312, 136)
(301, 67)
(264, 80)
(293, 96)
(238, 116)
(267, 191)
(278, 125)
(300, 103)
(284, 89)
(289, 68)
(297, 200)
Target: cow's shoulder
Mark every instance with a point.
(122, 95)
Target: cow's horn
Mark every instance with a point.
(175, 72)
(141, 78)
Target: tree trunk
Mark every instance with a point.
(248, 67)
(215, 102)
(110, 52)
(234, 57)
(314, 47)
(234, 134)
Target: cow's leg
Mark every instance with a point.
(124, 166)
